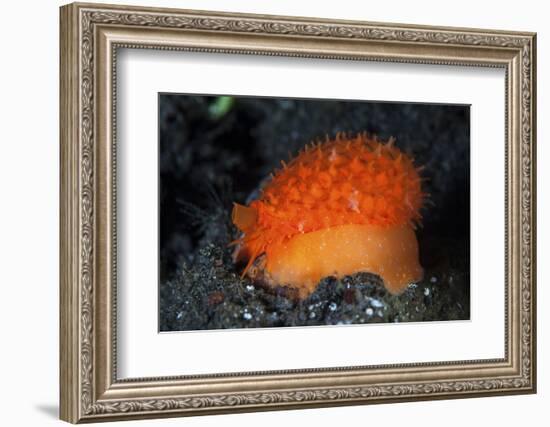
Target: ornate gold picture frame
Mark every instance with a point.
(91, 34)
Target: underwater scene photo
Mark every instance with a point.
(279, 212)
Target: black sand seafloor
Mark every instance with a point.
(217, 150)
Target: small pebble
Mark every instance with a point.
(215, 298)
(333, 306)
(249, 288)
(179, 316)
(376, 304)
(433, 279)
(427, 291)
(369, 311)
(312, 315)
(349, 296)
(247, 315)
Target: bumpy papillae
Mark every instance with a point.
(346, 180)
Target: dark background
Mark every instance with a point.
(217, 150)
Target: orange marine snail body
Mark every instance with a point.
(344, 206)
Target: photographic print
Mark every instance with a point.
(280, 212)
(224, 184)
